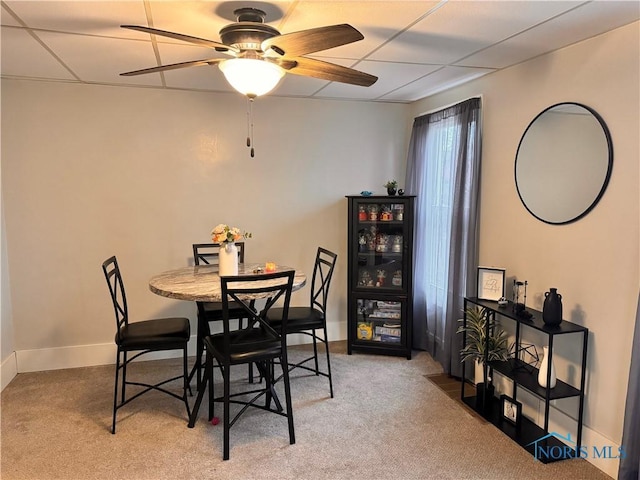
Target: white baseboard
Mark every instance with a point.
(8, 370)
(87, 356)
(79, 356)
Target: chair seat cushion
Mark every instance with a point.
(161, 332)
(299, 319)
(247, 345)
(213, 311)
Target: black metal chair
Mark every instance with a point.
(143, 337)
(257, 343)
(208, 254)
(308, 320)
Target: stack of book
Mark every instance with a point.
(390, 331)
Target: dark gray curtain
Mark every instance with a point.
(630, 464)
(443, 170)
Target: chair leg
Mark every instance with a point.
(196, 406)
(115, 393)
(326, 345)
(225, 452)
(287, 397)
(185, 380)
(315, 351)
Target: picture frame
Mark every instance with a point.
(491, 283)
(510, 410)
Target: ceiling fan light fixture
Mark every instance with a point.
(250, 76)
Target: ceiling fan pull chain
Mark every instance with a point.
(250, 141)
(248, 122)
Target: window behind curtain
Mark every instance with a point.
(443, 172)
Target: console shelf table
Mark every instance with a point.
(528, 434)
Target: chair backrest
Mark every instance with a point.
(322, 273)
(208, 253)
(243, 291)
(116, 289)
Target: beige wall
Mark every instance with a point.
(594, 261)
(92, 171)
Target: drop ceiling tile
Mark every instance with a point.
(391, 76)
(88, 17)
(458, 29)
(378, 21)
(440, 80)
(592, 19)
(23, 56)
(7, 18)
(100, 59)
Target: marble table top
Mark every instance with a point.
(201, 283)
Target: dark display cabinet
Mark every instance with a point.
(380, 237)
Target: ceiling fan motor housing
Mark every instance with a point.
(250, 30)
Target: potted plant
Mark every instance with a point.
(478, 349)
(391, 187)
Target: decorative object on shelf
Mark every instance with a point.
(362, 214)
(362, 241)
(401, 192)
(528, 357)
(520, 308)
(385, 214)
(226, 236)
(373, 213)
(366, 193)
(365, 331)
(391, 187)
(381, 276)
(545, 365)
(552, 308)
(396, 247)
(510, 410)
(399, 211)
(476, 339)
(502, 302)
(396, 281)
(490, 283)
(382, 243)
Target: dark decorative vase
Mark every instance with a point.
(391, 191)
(552, 308)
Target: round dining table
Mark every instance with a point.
(201, 283)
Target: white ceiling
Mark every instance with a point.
(416, 48)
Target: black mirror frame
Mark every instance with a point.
(605, 183)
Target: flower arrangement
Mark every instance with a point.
(391, 184)
(225, 234)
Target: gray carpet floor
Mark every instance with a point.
(387, 421)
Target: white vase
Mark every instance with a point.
(228, 259)
(478, 373)
(544, 369)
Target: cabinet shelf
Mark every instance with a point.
(516, 371)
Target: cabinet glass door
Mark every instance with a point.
(379, 321)
(381, 245)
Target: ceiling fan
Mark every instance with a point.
(261, 55)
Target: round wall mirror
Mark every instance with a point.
(563, 163)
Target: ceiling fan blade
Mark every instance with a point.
(221, 47)
(310, 67)
(313, 40)
(173, 66)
